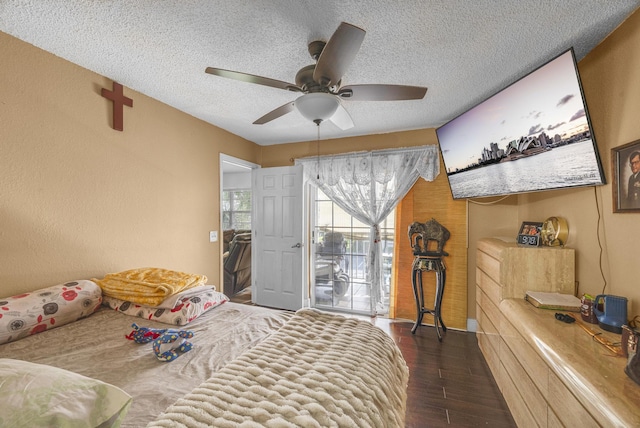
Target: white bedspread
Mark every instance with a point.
(319, 370)
(96, 347)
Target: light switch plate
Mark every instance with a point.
(213, 236)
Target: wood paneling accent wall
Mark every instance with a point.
(424, 201)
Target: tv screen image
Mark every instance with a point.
(533, 135)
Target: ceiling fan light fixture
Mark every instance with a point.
(318, 106)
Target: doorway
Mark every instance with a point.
(340, 258)
(280, 247)
(236, 226)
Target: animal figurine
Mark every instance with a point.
(172, 344)
(425, 232)
(144, 334)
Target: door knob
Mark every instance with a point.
(298, 245)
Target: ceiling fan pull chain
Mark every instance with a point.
(318, 147)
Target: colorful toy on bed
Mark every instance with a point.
(144, 334)
(172, 344)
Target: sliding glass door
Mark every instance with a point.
(340, 258)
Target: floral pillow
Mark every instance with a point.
(186, 309)
(47, 308)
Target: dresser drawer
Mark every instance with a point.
(552, 419)
(527, 389)
(488, 265)
(519, 410)
(535, 367)
(567, 407)
(491, 288)
(488, 340)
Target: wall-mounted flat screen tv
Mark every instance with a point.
(533, 135)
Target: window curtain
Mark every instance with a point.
(368, 186)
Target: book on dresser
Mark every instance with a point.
(557, 301)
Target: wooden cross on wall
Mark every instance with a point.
(119, 100)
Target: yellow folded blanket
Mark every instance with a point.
(147, 286)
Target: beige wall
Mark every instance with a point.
(610, 80)
(79, 199)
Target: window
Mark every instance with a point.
(341, 254)
(236, 209)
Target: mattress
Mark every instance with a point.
(96, 347)
(319, 370)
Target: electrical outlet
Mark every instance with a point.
(213, 236)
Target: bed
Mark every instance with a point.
(249, 365)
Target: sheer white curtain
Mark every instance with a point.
(368, 186)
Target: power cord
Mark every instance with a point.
(604, 279)
(489, 203)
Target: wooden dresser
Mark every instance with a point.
(551, 374)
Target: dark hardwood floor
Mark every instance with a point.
(450, 384)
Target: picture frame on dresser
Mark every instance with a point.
(625, 165)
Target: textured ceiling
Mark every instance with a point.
(463, 51)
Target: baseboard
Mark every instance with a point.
(472, 325)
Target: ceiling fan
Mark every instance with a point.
(320, 83)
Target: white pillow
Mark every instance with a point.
(37, 395)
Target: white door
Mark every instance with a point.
(277, 253)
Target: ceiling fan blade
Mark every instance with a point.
(381, 92)
(274, 114)
(338, 54)
(342, 119)
(251, 78)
